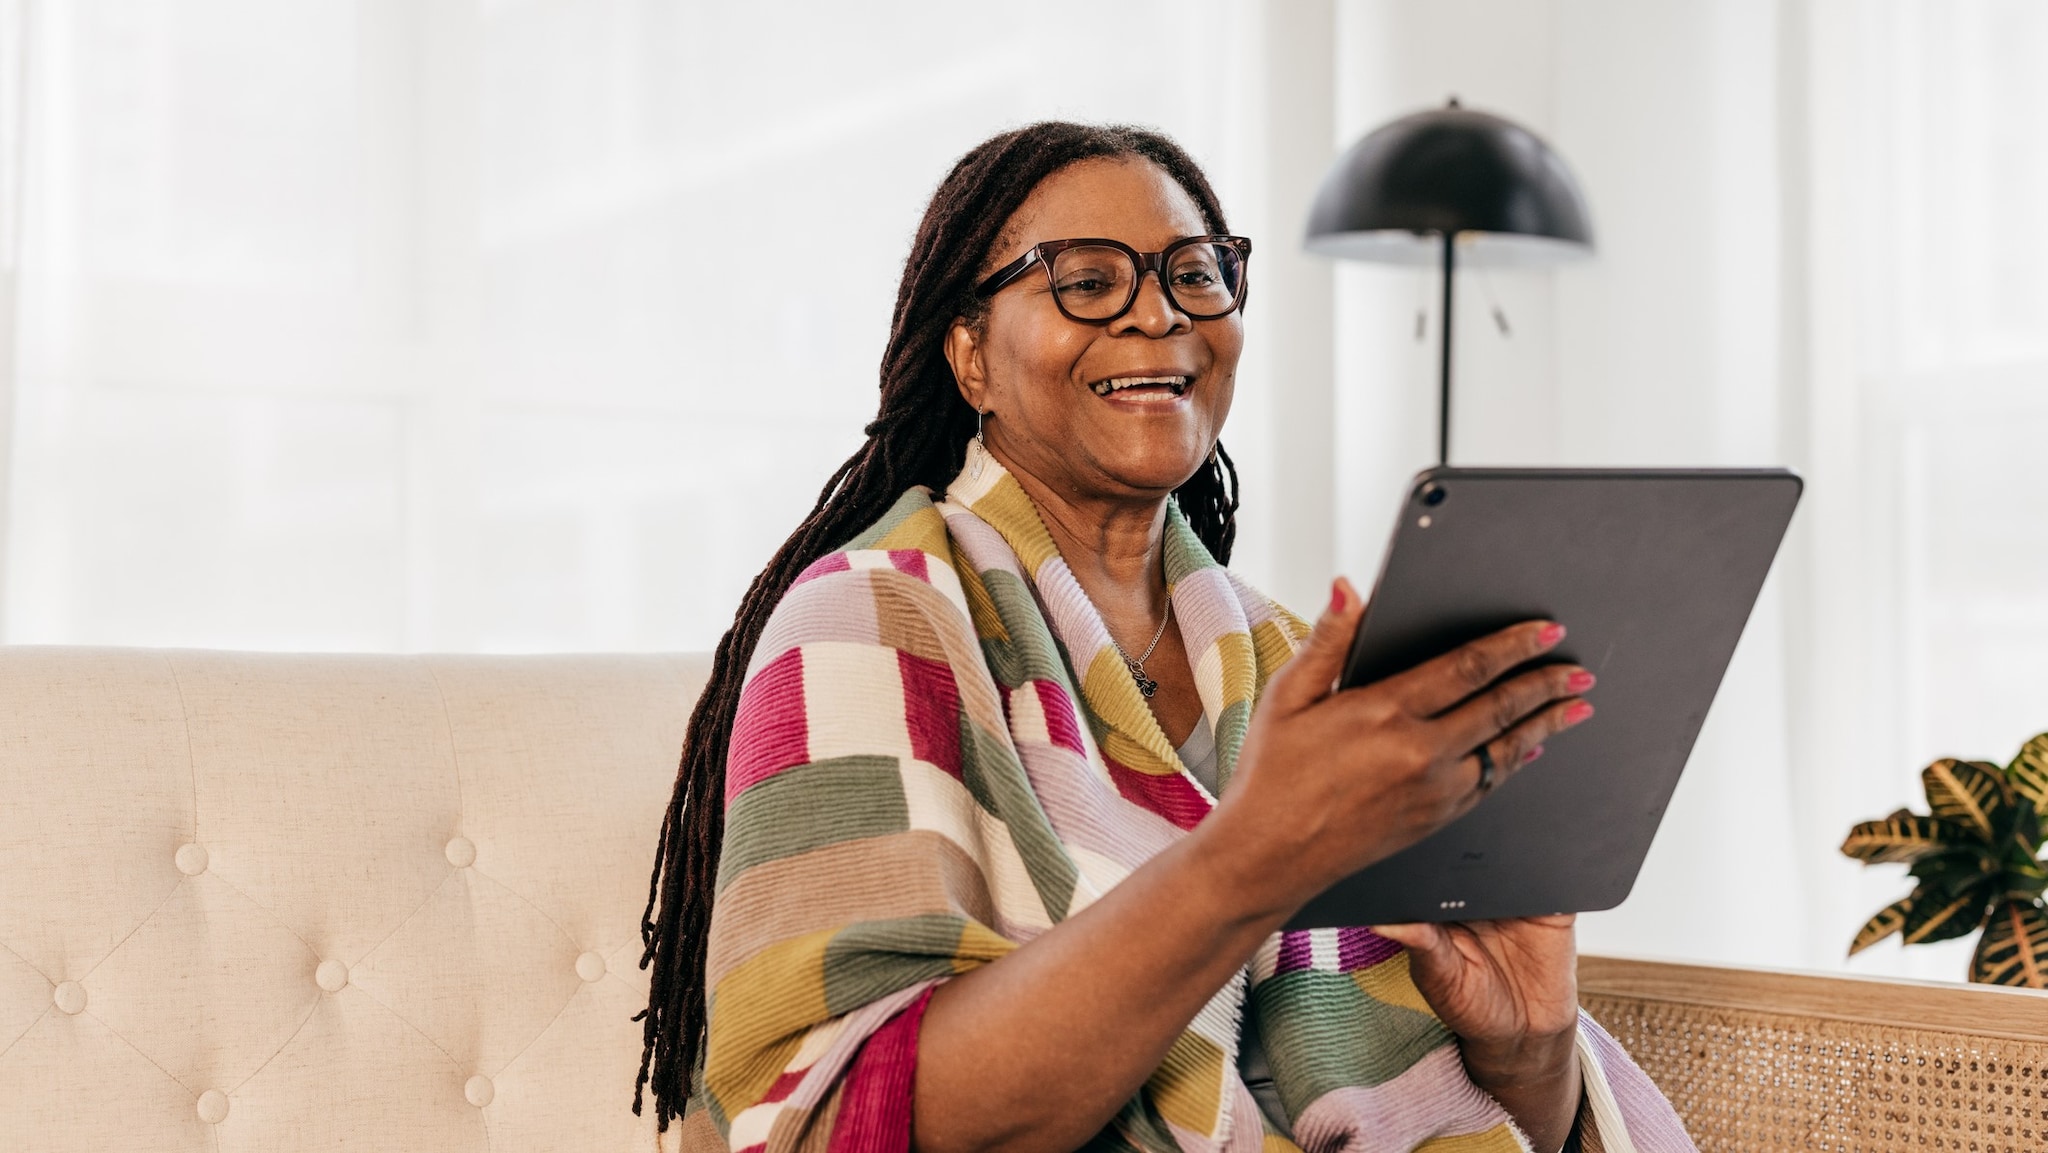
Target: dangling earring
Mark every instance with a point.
(980, 448)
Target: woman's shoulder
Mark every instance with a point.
(891, 587)
(907, 538)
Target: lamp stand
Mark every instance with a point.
(1443, 425)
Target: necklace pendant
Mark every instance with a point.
(1146, 685)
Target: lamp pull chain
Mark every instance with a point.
(1500, 316)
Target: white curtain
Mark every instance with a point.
(1819, 244)
(1926, 406)
(426, 324)
(536, 324)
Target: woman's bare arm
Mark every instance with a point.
(1040, 1050)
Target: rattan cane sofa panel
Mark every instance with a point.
(1816, 1063)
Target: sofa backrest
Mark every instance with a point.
(1759, 1061)
(287, 902)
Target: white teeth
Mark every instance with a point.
(1104, 387)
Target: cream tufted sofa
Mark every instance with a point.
(265, 904)
(280, 903)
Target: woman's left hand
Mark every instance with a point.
(1496, 982)
(1509, 990)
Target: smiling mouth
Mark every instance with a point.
(1177, 385)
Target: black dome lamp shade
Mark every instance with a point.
(1406, 192)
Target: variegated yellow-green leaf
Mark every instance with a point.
(2029, 772)
(2025, 880)
(1970, 793)
(1938, 916)
(2014, 949)
(1889, 920)
(1900, 838)
(2022, 842)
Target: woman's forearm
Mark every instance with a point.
(1040, 1049)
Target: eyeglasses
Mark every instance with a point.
(1095, 281)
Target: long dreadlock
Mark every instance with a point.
(919, 437)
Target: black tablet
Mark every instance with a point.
(1653, 573)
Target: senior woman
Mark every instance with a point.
(1003, 785)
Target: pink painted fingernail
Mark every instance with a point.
(1551, 634)
(1579, 681)
(1532, 754)
(1336, 596)
(1579, 711)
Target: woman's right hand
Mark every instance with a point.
(1328, 782)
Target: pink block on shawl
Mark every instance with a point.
(931, 710)
(823, 566)
(1652, 1123)
(784, 1086)
(910, 560)
(874, 1107)
(1432, 1098)
(1062, 722)
(769, 730)
(1170, 795)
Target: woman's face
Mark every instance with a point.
(1042, 378)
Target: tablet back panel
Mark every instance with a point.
(1653, 573)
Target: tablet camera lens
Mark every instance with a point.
(1433, 495)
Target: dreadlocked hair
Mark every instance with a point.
(918, 437)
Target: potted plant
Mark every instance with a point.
(1975, 858)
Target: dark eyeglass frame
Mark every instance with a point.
(1043, 253)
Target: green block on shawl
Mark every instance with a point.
(1322, 1033)
(809, 806)
(1183, 553)
(1230, 730)
(1032, 653)
(996, 779)
(869, 960)
(913, 501)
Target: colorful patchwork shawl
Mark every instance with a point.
(938, 756)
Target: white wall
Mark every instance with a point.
(1668, 353)
(1663, 349)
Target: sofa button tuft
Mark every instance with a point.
(213, 1106)
(479, 1090)
(590, 966)
(192, 859)
(70, 997)
(332, 975)
(461, 852)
